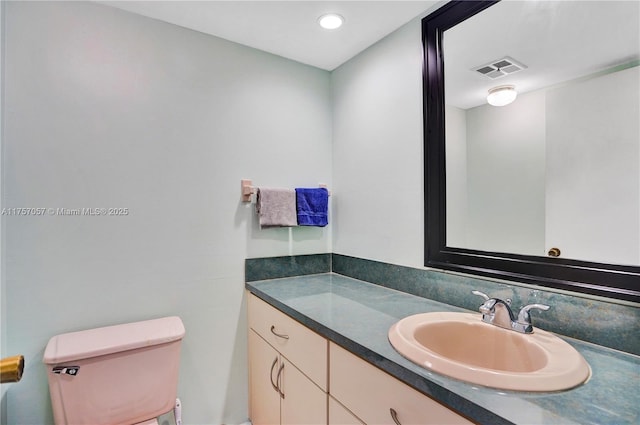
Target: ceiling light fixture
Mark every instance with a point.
(502, 95)
(331, 21)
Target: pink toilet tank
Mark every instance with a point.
(116, 375)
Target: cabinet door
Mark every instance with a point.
(378, 398)
(339, 415)
(303, 347)
(264, 399)
(303, 401)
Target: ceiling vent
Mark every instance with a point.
(500, 68)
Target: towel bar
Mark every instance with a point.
(248, 189)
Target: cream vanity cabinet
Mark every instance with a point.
(288, 369)
(298, 377)
(340, 415)
(376, 397)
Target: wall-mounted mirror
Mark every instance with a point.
(545, 189)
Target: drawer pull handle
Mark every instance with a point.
(275, 387)
(278, 380)
(273, 331)
(394, 416)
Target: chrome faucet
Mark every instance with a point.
(498, 312)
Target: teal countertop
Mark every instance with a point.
(357, 315)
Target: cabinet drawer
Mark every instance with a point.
(300, 345)
(371, 393)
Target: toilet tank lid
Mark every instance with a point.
(112, 339)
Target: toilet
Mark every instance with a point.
(116, 375)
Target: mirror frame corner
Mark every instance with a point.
(620, 282)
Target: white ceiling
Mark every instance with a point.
(288, 28)
(558, 41)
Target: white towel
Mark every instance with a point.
(276, 207)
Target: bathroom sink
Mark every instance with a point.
(462, 346)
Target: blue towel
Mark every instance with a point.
(312, 206)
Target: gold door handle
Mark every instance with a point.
(11, 369)
(554, 252)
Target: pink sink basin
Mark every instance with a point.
(462, 346)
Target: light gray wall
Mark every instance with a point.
(3, 321)
(108, 109)
(377, 154)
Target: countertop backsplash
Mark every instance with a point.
(609, 323)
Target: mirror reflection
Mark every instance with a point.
(556, 172)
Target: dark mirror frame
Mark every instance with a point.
(608, 280)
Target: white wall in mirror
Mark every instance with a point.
(505, 179)
(593, 168)
(559, 167)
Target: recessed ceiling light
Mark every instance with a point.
(331, 21)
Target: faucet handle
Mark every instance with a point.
(487, 297)
(488, 303)
(524, 318)
(481, 294)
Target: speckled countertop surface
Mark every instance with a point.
(357, 315)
